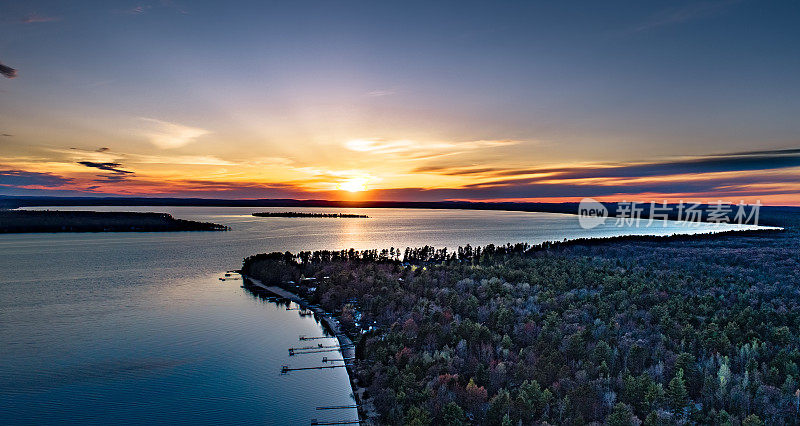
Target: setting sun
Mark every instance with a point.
(358, 184)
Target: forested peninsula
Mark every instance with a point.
(658, 330)
(24, 221)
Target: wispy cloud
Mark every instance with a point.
(35, 18)
(176, 7)
(7, 71)
(380, 146)
(195, 160)
(167, 135)
(684, 14)
(714, 163)
(381, 92)
(753, 188)
(417, 150)
(106, 155)
(458, 170)
(146, 7)
(118, 174)
(24, 179)
(110, 167)
(137, 10)
(114, 178)
(718, 175)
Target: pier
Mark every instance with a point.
(285, 369)
(326, 359)
(339, 422)
(316, 351)
(316, 338)
(319, 346)
(337, 407)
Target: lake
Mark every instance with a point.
(137, 327)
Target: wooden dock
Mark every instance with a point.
(337, 407)
(316, 351)
(316, 337)
(326, 359)
(319, 346)
(285, 369)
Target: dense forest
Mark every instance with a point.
(19, 221)
(631, 330)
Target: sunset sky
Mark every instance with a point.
(535, 101)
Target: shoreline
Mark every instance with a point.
(571, 208)
(366, 413)
(52, 221)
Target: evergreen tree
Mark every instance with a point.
(677, 396)
(621, 415)
(657, 418)
(418, 416)
(686, 362)
(453, 415)
(499, 406)
(752, 420)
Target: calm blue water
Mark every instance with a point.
(136, 327)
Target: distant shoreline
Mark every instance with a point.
(311, 215)
(777, 214)
(46, 221)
